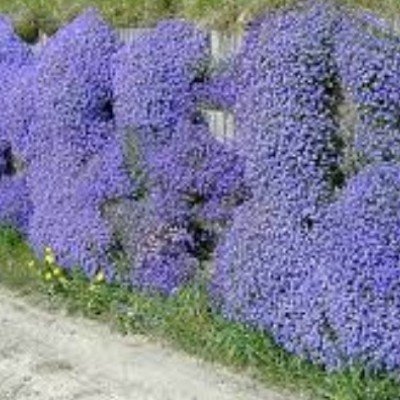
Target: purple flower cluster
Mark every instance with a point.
(12, 49)
(195, 178)
(311, 258)
(368, 58)
(15, 58)
(75, 162)
(15, 205)
(357, 278)
(154, 78)
(165, 258)
(149, 254)
(106, 158)
(59, 124)
(285, 125)
(191, 180)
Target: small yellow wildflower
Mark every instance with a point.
(48, 276)
(57, 272)
(49, 257)
(100, 277)
(48, 250)
(31, 264)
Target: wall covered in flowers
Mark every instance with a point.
(107, 158)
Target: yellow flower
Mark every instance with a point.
(49, 258)
(48, 250)
(31, 264)
(49, 255)
(100, 277)
(57, 272)
(48, 276)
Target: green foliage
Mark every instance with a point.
(185, 321)
(357, 384)
(15, 261)
(32, 16)
(27, 27)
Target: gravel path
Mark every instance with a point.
(45, 356)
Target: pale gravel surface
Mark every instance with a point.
(50, 356)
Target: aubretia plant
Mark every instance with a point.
(15, 204)
(357, 279)
(150, 254)
(195, 178)
(285, 127)
(76, 163)
(12, 49)
(192, 181)
(15, 57)
(311, 261)
(356, 253)
(106, 158)
(154, 77)
(368, 58)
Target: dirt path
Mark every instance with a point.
(46, 356)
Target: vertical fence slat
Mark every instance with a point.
(128, 35)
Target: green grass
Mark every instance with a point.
(15, 256)
(186, 322)
(32, 16)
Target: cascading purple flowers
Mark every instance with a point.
(314, 261)
(75, 164)
(192, 181)
(154, 76)
(368, 58)
(15, 59)
(12, 49)
(195, 178)
(356, 251)
(285, 128)
(357, 279)
(15, 205)
(106, 158)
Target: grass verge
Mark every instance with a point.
(187, 322)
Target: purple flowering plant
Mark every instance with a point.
(15, 58)
(75, 164)
(106, 158)
(312, 257)
(191, 181)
